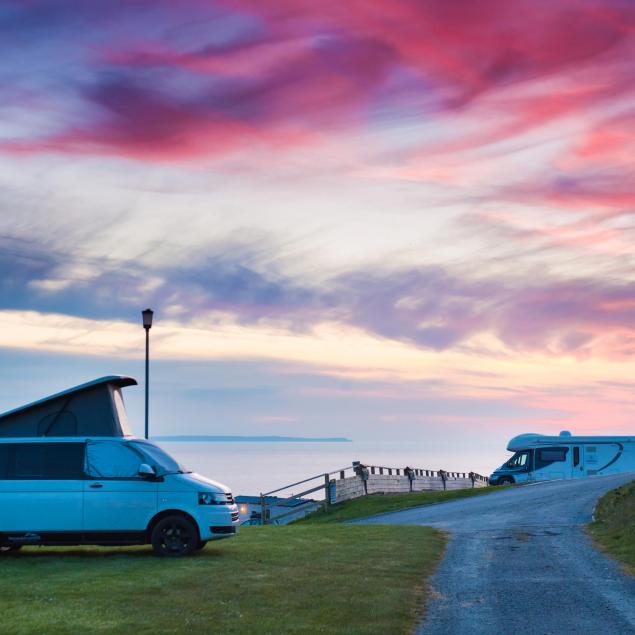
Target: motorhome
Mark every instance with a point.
(70, 473)
(539, 457)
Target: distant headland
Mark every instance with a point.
(258, 439)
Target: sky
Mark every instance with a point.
(392, 220)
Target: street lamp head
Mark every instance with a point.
(147, 318)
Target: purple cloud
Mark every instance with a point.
(431, 307)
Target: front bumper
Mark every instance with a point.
(218, 521)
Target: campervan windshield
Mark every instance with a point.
(161, 461)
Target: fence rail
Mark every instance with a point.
(357, 470)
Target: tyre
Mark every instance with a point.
(506, 480)
(201, 545)
(174, 536)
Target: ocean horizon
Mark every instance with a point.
(225, 438)
(252, 467)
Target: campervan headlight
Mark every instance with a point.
(212, 498)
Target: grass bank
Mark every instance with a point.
(295, 579)
(382, 503)
(614, 525)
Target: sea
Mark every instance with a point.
(254, 467)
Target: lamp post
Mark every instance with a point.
(147, 325)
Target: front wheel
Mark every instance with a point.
(174, 536)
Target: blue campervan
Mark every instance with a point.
(71, 473)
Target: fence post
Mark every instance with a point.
(411, 474)
(263, 510)
(327, 492)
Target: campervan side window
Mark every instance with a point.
(546, 456)
(41, 461)
(111, 459)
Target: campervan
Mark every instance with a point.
(61, 486)
(539, 457)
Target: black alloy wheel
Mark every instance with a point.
(174, 536)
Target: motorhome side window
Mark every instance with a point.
(4, 461)
(546, 456)
(110, 459)
(41, 461)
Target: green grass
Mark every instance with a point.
(614, 525)
(381, 503)
(294, 579)
(302, 578)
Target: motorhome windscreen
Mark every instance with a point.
(519, 460)
(162, 462)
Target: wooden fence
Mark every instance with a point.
(363, 480)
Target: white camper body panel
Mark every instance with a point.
(543, 458)
(103, 490)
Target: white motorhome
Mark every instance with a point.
(538, 457)
(61, 487)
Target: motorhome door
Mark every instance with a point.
(577, 461)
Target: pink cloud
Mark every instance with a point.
(311, 69)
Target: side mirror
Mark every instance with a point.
(146, 471)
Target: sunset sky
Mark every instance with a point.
(394, 219)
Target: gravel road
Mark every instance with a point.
(518, 561)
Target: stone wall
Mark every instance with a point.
(353, 487)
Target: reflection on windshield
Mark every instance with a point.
(160, 460)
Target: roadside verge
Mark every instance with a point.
(377, 504)
(613, 528)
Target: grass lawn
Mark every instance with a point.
(614, 526)
(303, 578)
(380, 503)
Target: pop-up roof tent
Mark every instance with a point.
(92, 409)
